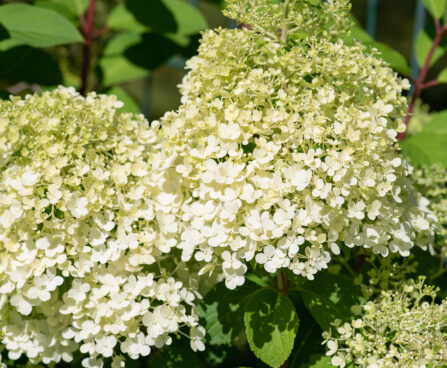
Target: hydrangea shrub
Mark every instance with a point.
(282, 154)
(82, 264)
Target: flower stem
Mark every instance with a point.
(87, 28)
(420, 83)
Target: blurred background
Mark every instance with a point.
(152, 68)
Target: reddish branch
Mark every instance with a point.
(89, 33)
(420, 83)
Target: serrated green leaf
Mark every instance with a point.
(428, 146)
(223, 311)
(442, 77)
(162, 16)
(330, 297)
(38, 27)
(422, 48)
(271, 324)
(435, 7)
(129, 103)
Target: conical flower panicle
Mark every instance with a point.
(282, 149)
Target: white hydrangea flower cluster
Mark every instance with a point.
(82, 263)
(282, 148)
(404, 328)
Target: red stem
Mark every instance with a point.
(420, 82)
(87, 27)
(100, 31)
(433, 82)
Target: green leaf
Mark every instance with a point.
(223, 311)
(122, 19)
(308, 345)
(429, 146)
(422, 47)
(396, 60)
(435, 7)
(360, 34)
(437, 125)
(176, 356)
(271, 323)
(70, 9)
(121, 42)
(57, 7)
(117, 69)
(129, 103)
(143, 55)
(330, 297)
(77, 7)
(442, 77)
(15, 66)
(36, 26)
(9, 44)
(114, 66)
(320, 362)
(162, 16)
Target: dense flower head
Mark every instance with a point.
(432, 182)
(82, 265)
(282, 148)
(402, 328)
